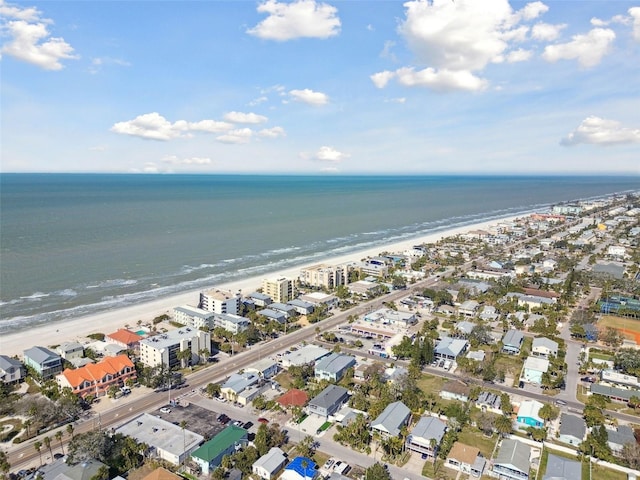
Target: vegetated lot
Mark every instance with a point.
(511, 365)
(438, 470)
(473, 437)
(601, 473)
(431, 383)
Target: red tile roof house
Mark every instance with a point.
(96, 378)
(294, 398)
(125, 338)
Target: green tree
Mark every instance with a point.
(213, 390)
(70, 430)
(377, 471)
(58, 436)
(503, 425)
(261, 440)
(306, 446)
(4, 465)
(548, 412)
(38, 446)
(47, 443)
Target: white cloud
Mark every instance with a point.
(600, 131)
(239, 117)
(30, 40)
(519, 55)
(258, 101)
(386, 51)
(175, 160)
(400, 100)
(150, 125)
(381, 79)
(150, 167)
(441, 80)
(587, 49)
(274, 132)
(547, 32)
(303, 18)
(330, 154)
(310, 97)
(155, 127)
(635, 14)
(238, 136)
(457, 40)
(99, 62)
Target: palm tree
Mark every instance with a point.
(47, 443)
(503, 425)
(59, 438)
(183, 425)
(70, 429)
(38, 446)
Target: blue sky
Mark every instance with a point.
(441, 86)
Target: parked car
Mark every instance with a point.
(165, 410)
(247, 425)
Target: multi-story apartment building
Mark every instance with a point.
(193, 317)
(280, 289)
(219, 301)
(163, 349)
(325, 276)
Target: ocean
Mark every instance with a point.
(76, 244)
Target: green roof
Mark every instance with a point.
(220, 443)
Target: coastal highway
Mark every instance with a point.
(24, 455)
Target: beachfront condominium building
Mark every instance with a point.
(163, 349)
(219, 301)
(194, 317)
(325, 276)
(280, 289)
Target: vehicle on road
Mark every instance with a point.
(263, 420)
(561, 403)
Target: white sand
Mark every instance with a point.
(109, 321)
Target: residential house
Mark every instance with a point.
(389, 423)
(333, 366)
(70, 350)
(512, 342)
(97, 378)
(60, 470)
(161, 474)
(533, 369)
(465, 327)
(543, 347)
(465, 459)
(328, 401)
(301, 307)
(125, 338)
(293, 398)
(560, 468)
(274, 315)
(529, 413)
(512, 461)
(618, 438)
(237, 383)
(572, 429)
(489, 313)
(264, 368)
(300, 468)
(304, 356)
(450, 348)
(166, 441)
(268, 465)
(614, 378)
(426, 436)
(11, 370)
(489, 402)
(284, 308)
(227, 442)
(622, 395)
(455, 390)
(260, 299)
(469, 308)
(44, 362)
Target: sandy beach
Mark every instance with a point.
(109, 321)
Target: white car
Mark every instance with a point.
(165, 410)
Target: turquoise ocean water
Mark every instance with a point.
(74, 244)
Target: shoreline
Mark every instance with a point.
(106, 322)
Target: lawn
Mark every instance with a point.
(601, 473)
(511, 365)
(475, 438)
(430, 383)
(438, 471)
